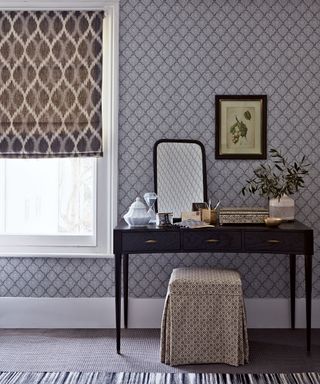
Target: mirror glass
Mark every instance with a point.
(179, 175)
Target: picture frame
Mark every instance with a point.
(241, 126)
(199, 206)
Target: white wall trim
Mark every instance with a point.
(90, 5)
(60, 255)
(19, 312)
(110, 110)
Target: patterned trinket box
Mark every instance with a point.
(243, 215)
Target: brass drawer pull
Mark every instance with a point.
(272, 241)
(151, 241)
(212, 241)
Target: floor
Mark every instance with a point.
(94, 350)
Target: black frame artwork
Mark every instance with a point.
(241, 126)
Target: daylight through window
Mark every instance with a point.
(47, 196)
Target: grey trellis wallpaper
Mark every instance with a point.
(175, 56)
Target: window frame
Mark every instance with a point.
(106, 169)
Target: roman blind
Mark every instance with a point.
(50, 83)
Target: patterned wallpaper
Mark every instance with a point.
(175, 56)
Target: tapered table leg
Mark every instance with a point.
(308, 279)
(293, 289)
(125, 288)
(118, 298)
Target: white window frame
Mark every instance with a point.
(107, 166)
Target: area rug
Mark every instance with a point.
(155, 378)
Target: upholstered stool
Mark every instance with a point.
(204, 318)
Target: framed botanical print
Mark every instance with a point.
(241, 127)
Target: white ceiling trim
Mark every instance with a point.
(16, 5)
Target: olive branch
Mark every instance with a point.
(281, 179)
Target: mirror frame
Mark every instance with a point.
(204, 167)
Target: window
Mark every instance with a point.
(48, 197)
(66, 206)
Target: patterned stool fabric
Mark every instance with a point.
(204, 318)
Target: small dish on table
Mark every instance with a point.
(272, 221)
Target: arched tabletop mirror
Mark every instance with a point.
(180, 175)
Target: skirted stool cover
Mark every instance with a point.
(204, 318)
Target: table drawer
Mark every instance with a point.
(274, 242)
(212, 240)
(151, 241)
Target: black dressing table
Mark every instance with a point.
(292, 239)
(180, 179)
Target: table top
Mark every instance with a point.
(295, 226)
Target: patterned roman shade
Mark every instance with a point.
(50, 84)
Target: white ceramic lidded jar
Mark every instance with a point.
(137, 216)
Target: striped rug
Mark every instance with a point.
(155, 378)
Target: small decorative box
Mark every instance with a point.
(209, 216)
(243, 215)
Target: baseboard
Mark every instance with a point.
(19, 312)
